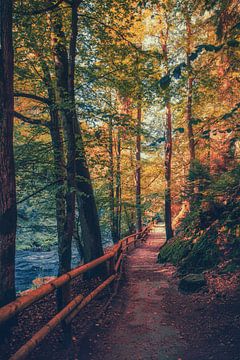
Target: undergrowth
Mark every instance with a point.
(209, 233)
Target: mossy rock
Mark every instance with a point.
(204, 254)
(174, 251)
(192, 283)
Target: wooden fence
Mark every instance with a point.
(114, 260)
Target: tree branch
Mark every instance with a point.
(46, 9)
(51, 7)
(30, 121)
(113, 29)
(33, 97)
(38, 191)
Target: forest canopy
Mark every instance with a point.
(115, 113)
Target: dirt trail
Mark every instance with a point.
(137, 327)
(150, 319)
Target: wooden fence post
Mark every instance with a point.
(112, 266)
(112, 272)
(63, 298)
(135, 240)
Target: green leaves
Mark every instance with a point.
(194, 55)
(177, 72)
(180, 130)
(233, 43)
(205, 134)
(165, 82)
(195, 121)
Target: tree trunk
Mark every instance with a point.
(88, 215)
(191, 141)
(118, 186)
(64, 105)
(168, 162)
(111, 182)
(89, 220)
(58, 154)
(129, 220)
(8, 212)
(64, 101)
(168, 149)
(60, 173)
(138, 170)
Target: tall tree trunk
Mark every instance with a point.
(90, 227)
(118, 186)
(138, 169)
(88, 215)
(111, 181)
(58, 154)
(168, 163)
(168, 147)
(191, 142)
(129, 219)
(61, 68)
(60, 172)
(8, 212)
(64, 103)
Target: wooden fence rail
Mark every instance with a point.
(114, 259)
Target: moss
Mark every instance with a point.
(211, 225)
(192, 283)
(204, 254)
(175, 251)
(192, 257)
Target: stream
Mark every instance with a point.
(34, 264)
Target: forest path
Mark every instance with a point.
(136, 326)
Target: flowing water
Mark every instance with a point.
(37, 264)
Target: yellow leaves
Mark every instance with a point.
(30, 109)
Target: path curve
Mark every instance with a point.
(137, 328)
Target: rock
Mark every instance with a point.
(43, 280)
(192, 283)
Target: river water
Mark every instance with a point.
(34, 264)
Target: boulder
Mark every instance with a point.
(43, 280)
(192, 283)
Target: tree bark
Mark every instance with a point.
(111, 182)
(191, 141)
(168, 162)
(64, 106)
(89, 220)
(58, 154)
(64, 102)
(8, 211)
(60, 172)
(88, 215)
(118, 186)
(129, 219)
(168, 148)
(138, 169)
